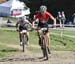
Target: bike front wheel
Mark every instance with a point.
(24, 41)
(44, 47)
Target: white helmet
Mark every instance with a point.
(43, 8)
(21, 19)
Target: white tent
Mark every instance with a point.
(14, 8)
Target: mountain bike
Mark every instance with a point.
(43, 41)
(24, 39)
(24, 36)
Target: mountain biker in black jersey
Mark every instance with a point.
(20, 25)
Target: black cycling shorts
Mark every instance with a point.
(22, 28)
(42, 25)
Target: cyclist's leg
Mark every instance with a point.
(47, 34)
(20, 35)
(27, 37)
(39, 29)
(27, 34)
(38, 33)
(48, 42)
(40, 25)
(48, 38)
(20, 38)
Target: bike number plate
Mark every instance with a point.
(43, 28)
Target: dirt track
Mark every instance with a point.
(57, 57)
(28, 57)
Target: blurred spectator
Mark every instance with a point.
(73, 16)
(9, 21)
(61, 18)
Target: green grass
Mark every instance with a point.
(57, 43)
(70, 32)
(11, 37)
(65, 32)
(7, 51)
(11, 19)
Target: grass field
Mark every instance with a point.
(9, 37)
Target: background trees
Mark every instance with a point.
(68, 6)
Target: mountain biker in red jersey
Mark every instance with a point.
(20, 25)
(43, 16)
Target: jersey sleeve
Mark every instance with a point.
(36, 16)
(50, 15)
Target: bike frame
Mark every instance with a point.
(44, 42)
(24, 38)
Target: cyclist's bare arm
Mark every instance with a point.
(29, 23)
(17, 25)
(54, 19)
(33, 23)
